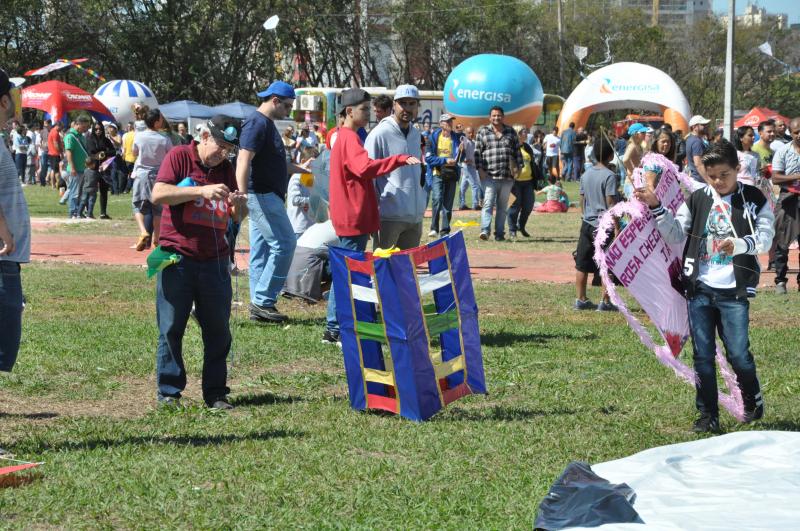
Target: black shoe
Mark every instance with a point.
(105, 216)
(220, 403)
(499, 238)
(267, 314)
(331, 338)
(753, 414)
(443, 233)
(524, 233)
(706, 423)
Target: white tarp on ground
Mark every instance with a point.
(745, 480)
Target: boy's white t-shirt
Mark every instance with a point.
(552, 144)
(716, 268)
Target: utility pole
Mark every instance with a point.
(654, 19)
(560, 51)
(729, 72)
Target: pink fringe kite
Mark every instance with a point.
(732, 401)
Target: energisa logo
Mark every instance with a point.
(475, 94)
(609, 87)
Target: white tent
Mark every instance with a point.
(626, 86)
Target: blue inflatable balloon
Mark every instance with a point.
(484, 81)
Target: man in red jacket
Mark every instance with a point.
(353, 201)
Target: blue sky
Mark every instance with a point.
(790, 7)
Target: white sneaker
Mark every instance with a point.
(433, 234)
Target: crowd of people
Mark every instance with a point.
(190, 194)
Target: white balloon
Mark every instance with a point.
(271, 23)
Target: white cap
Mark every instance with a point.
(406, 91)
(697, 120)
(445, 118)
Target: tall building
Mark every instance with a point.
(670, 13)
(758, 16)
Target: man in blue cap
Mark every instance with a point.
(262, 170)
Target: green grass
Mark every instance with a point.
(563, 385)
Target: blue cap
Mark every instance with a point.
(278, 88)
(636, 128)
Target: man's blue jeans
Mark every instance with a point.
(11, 302)
(272, 244)
(207, 285)
(443, 192)
(567, 167)
(469, 177)
(354, 243)
(712, 310)
(73, 193)
(495, 191)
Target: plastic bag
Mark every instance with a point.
(579, 497)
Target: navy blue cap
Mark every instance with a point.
(278, 88)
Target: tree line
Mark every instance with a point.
(214, 51)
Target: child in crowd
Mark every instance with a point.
(728, 224)
(598, 194)
(298, 196)
(91, 182)
(556, 198)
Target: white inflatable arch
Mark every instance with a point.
(626, 86)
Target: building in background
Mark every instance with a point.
(755, 16)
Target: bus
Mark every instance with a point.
(318, 105)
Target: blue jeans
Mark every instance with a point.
(272, 244)
(714, 310)
(522, 206)
(44, 166)
(577, 165)
(567, 169)
(495, 191)
(73, 193)
(21, 160)
(207, 285)
(11, 302)
(443, 192)
(469, 177)
(354, 243)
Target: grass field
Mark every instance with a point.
(563, 385)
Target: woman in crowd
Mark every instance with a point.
(150, 148)
(663, 143)
(100, 149)
(749, 162)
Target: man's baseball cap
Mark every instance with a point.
(697, 120)
(636, 128)
(445, 118)
(406, 91)
(278, 88)
(351, 97)
(224, 128)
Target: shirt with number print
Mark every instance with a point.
(195, 229)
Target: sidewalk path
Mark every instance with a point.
(486, 264)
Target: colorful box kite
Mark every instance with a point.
(391, 315)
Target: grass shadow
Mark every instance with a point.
(265, 399)
(30, 416)
(506, 339)
(502, 413)
(779, 425)
(182, 440)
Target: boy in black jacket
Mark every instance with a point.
(726, 224)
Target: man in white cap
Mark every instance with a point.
(695, 147)
(442, 156)
(401, 198)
